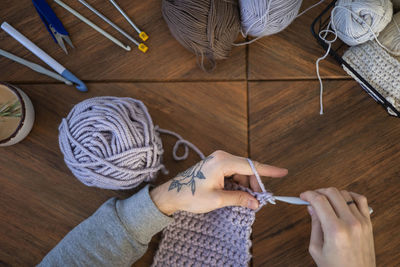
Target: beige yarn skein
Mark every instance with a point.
(390, 36)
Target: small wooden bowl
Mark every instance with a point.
(27, 117)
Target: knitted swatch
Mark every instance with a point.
(378, 67)
(218, 238)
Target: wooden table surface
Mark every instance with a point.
(262, 102)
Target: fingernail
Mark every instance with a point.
(310, 210)
(252, 204)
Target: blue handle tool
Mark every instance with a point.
(52, 23)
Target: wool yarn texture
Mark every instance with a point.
(266, 17)
(207, 28)
(390, 36)
(380, 69)
(218, 238)
(358, 21)
(112, 143)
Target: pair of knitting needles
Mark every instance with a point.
(142, 47)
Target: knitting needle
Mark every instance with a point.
(142, 34)
(299, 201)
(34, 66)
(142, 47)
(91, 24)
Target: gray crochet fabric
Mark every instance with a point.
(378, 67)
(217, 238)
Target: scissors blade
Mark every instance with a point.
(59, 39)
(68, 40)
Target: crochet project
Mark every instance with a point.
(217, 238)
(378, 67)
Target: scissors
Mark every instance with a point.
(53, 24)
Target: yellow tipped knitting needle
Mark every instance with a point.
(142, 34)
(142, 47)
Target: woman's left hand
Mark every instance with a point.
(200, 189)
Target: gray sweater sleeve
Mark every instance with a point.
(117, 234)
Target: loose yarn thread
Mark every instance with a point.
(111, 143)
(367, 19)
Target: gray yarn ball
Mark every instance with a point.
(111, 143)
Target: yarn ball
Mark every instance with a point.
(390, 36)
(207, 28)
(267, 17)
(358, 21)
(111, 143)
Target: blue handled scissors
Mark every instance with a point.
(53, 24)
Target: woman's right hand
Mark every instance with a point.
(341, 233)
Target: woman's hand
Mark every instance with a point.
(200, 189)
(341, 233)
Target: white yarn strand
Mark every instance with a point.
(309, 8)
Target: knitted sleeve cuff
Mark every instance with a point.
(141, 217)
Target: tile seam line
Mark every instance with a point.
(182, 81)
(129, 81)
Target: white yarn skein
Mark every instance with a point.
(248, 11)
(390, 36)
(353, 20)
(363, 19)
(266, 17)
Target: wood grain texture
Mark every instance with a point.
(95, 58)
(353, 146)
(39, 197)
(291, 54)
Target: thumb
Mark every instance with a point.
(237, 198)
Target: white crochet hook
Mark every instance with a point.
(290, 200)
(299, 201)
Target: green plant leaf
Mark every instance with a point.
(10, 109)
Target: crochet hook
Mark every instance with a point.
(299, 201)
(94, 26)
(60, 69)
(142, 47)
(34, 66)
(290, 200)
(142, 34)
